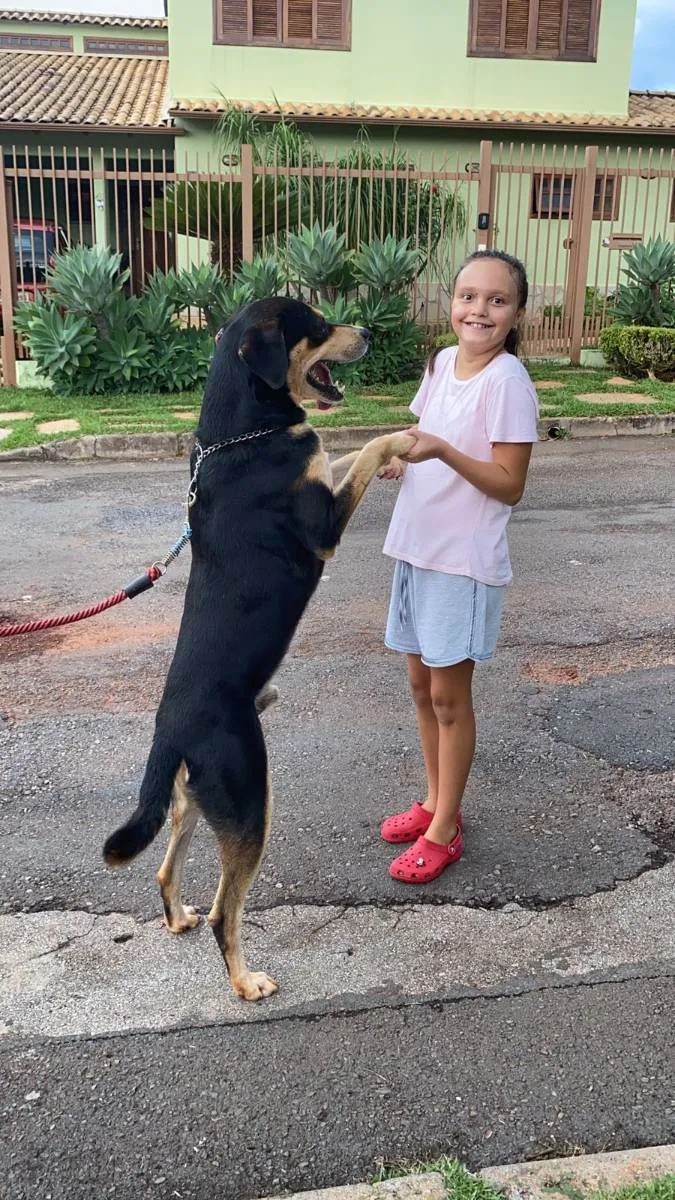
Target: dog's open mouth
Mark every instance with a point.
(328, 391)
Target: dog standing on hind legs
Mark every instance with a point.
(265, 516)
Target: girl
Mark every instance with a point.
(477, 411)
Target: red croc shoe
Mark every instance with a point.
(426, 860)
(407, 826)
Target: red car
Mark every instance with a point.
(35, 245)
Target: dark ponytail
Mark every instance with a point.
(514, 339)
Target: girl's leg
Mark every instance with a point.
(452, 709)
(420, 686)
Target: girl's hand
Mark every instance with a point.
(426, 446)
(393, 470)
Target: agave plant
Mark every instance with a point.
(318, 258)
(165, 285)
(386, 266)
(263, 277)
(384, 313)
(61, 343)
(203, 287)
(153, 313)
(86, 281)
(125, 356)
(648, 298)
(341, 311)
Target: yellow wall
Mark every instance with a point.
(402, 54)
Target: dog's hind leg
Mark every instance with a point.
(240, 858)
(231, 786)
(269, 694)
(178, 917)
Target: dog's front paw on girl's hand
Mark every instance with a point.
(391, 470)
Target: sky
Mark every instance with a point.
(653, 61)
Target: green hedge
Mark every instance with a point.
(444, 340)
(639, 350)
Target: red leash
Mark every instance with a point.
(157, 569)
(139, 585)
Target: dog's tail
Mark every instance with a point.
(153, 804)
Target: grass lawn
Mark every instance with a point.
(460, 1184)
(372, 406)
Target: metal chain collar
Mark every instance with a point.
(204, 453)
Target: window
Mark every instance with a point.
(312, 24)
(672, 204)
(563, 29)
(553, 197)
(148, 47)
(35, 41)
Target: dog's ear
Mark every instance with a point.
(263, 349)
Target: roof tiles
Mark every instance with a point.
(90, 91)
(79, 18)
(647, 110)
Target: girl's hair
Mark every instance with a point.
(519, 274)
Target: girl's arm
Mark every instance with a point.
(502, 479)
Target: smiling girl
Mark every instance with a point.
(477, 411)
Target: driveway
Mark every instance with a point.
(517, 1007)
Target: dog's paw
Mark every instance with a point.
(254, 985)
(182, 919)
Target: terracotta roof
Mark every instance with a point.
(70, 18)
(647, 110)
(87, 90)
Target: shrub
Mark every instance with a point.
(445, 339)
(86, 335)
(393, 356)
(640, 350)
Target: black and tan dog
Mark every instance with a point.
(265, 517)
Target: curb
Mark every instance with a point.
(545, 1179)
(558, 1178)
(136, 446)
(411, 1187)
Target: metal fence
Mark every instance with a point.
(568, 211)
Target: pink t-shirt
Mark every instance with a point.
(441, 521)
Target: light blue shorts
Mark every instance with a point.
(443, 618)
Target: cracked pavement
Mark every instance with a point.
(519, 1006)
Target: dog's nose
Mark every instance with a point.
(365, 333)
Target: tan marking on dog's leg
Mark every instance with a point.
(317, 470)
(178, 917)
(340, 466)
(367, 463)
(240, 861)
(269, 694)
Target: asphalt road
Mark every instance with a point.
(518, 1006)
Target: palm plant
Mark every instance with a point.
(375, 195)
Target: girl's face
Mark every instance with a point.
(484, 305)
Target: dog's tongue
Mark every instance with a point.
(322, 405)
